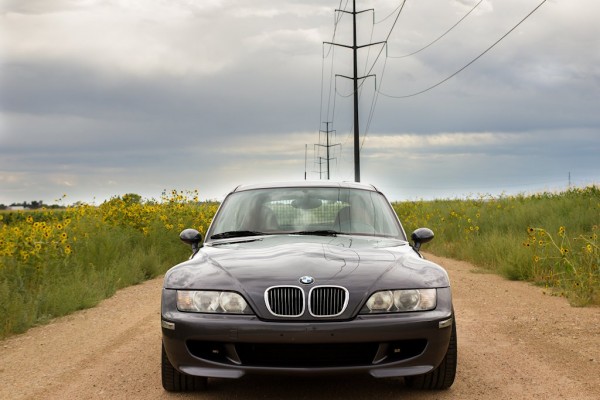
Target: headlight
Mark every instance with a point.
(206, 301)
(381, 301)
(400, 301)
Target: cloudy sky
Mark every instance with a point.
(100, 98)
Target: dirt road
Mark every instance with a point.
(514, 343)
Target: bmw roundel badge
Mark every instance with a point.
(307, 280)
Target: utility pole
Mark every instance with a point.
(355, 82)
(327, 147)
(355, 78)
(320, 167)
(305, 157)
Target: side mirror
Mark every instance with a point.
(420, 236)
(191, 237)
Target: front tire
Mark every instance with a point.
(175, 381)
(443, 376)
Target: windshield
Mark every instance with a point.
(319, 211)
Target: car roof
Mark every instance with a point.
(293, 184)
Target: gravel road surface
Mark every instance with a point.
(514, 342)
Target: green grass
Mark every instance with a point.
(550, 239)
(54, 262)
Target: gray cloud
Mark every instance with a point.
(99, 98)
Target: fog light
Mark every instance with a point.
(446, 323)
(167, 325)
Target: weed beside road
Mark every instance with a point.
(549, 238)
(53, 262)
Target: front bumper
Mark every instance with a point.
(381, 345)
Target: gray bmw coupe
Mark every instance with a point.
(307, 278)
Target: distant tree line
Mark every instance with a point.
(33, 205)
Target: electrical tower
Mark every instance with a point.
(327, 147)
(355, 78)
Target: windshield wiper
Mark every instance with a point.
(236, 234)
(322, 232)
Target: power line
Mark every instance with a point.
(376, 95)
(335, 24)
(442, 35)
(384, 42)
(389, 15)
(374, 101)
(388, 36)
(324, 56)
(471, 62)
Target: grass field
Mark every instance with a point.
(55, 262)
(550, 239)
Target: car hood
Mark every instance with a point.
(360, 264)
